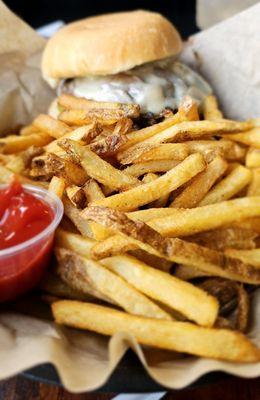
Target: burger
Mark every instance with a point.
(126, 57)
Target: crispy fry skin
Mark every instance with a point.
(14, 144)
(210, 109)
(201, 184)
(51, 126)
(149, 192)
(120, 110)
(97, 168)
(181, 296)
(175, 250)
(80, 271)
(172, 335)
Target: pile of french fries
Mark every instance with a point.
(161, 231)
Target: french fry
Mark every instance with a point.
(14, 144)
(250, 138)
(73, 214)
(187, 272)
(191, 130)
(28, 130)
(183, 297)
(82, 117)
(51, 126)
(76, 195)
(186, 112)
(200, 184)
(151, 259)
(84, 134)
(247, 256)
(51, 164)
(74, 242)
(175, 250)
(251, 223)
(57, 186)
(97, 168)
(210, 108)
(7, 176)
(149, 192)
(93, 191)
(229, 150)
(16, 164)
(254, 186)
(120, 110)
(150, 167)
(123, 126)
(171, 335)
(184, 222)
(53, 285)
(162, 201)
(220, 239)
(109, 145)
(108, 284)
(229, 186)
(253, 158)
(168, 151)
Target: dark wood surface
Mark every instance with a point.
(19, 388)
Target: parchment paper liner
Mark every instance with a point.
(85, 360)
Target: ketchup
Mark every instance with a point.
(22, 217)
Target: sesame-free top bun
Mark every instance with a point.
(108, 44)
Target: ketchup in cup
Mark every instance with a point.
(29, 216)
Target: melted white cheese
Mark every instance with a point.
(153, 86)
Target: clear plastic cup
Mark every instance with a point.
(22, 266)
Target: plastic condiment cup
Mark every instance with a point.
(23, 265)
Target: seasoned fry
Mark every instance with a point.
(57, 186)
(229, 150)
(28, 130)
(210, 109)
(183, 297)
(253, 158)
(74, 215)
(220, 239)
(172, 335)
(144, 153)
(51, 126)
(175, 250)
(191, 130)
(187, 272)
(254, 186)
(97, 168)
(186, 112)
(109, 145)
(151, 166)
(74, 242)
(82, 117)
(51, 164)
(247, 256)
(108, 284)
(123, 126)
(149, 192)
(200, 219)
(53, 285)
(84, 134)
(14, 144)
(120, 110)
(192, 195)
(92, 191)
(162, 201)
(250, 138)
(77, 196)
(238, 178)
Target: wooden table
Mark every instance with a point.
(231, 389)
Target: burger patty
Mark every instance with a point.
(153, 86)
